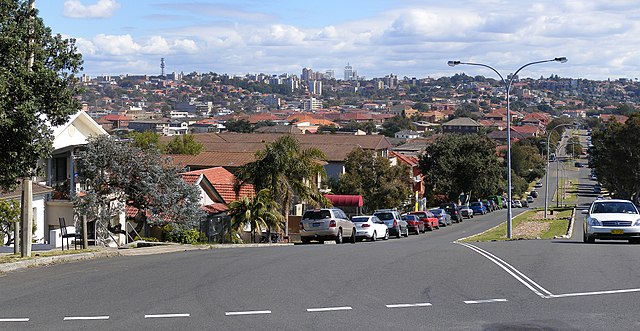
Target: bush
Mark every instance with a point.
(180, 234)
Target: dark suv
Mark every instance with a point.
(452, 209)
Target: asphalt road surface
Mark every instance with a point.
(424, 282)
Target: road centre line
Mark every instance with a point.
(328, 309)
(408, 305)
(85, 318)
(14, 319)
(470, 302)
(249, 312)
(166, 315)
(515, 273)
(579, 294)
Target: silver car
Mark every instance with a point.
(611, 219)
(326, 224)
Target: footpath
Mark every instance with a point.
(105, 252)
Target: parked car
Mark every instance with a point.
(487, 205)
(538, 185)
(534, 194)
(391, 218)
(516, 204)
(524, 203)
(326, 224)
(430, 221)
(444, 219)
(370, 227)
(452, 209)
(611, 219)
(466, 211)
(530, 199)
(478, 208)
(414, 223)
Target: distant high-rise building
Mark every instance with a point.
(348, 72)
(307, 75)
(162, 67)
(329, 74)
(315, 87)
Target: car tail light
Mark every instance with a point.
(301, 226)
(332, 224)
(366, 225)
(395, 223)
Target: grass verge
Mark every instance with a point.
(528, 225)
(15, 258)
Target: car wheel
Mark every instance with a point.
(386, 235)
(321, 241)
(399, 233)
(634, 241)
(375, 236)
(588, 239)
(353, 236)
(305, 241)
(406, 232)
(339, 237)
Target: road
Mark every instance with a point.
(425, 282)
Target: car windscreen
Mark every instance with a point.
(436, 211)
(359, 219)
(476, 204)
(317, 214)
(385, 216)
(613, 207)
(422, 215)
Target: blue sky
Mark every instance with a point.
(413, 38)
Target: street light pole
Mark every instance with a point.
(546, 185)
(507, 84)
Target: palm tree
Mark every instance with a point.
(260, 212)
(286, 170)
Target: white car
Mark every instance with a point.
(611, 219)
(370, 227)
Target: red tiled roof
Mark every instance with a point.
(215, 208)
(223, 181)
(190, 178)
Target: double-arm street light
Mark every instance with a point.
(546, 186)
(507, 85)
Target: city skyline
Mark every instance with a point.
(377, 38)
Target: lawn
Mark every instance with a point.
(529, 225)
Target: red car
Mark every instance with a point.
(414, 223)
(430, 221)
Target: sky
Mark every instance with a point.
(413, 38)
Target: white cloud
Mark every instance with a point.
(101, 9)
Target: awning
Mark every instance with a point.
(345, 200)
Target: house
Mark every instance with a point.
(462, 125)
(60, 175)
(615, 118)
(40, 195)
(407, 134)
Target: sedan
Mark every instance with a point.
(611, 219)
(415, 224)
(430, 221)
(444, 219)
(466, 211)
(370, 227)
(478, 208)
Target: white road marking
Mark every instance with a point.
(579, 294)
(522, 278)
(251, 312)
(14, 319)
(470, 302)
(408, 305)
(328, 309)
(85, 318)
(166, 315)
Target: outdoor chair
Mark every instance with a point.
(66, 235)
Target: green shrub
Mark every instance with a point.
(181, 234)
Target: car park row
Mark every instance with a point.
(332, 224)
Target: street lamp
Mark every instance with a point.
(507, 84)
(546, 186)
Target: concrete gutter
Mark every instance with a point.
(125, 251)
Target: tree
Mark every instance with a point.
(615, 157)
(395, 124)
(455, 164)
(116, 174)
(9, 216)
(288, 172)
(372, 176)
(183, 144)
(37, 85)
(241, 125)
(145, 140)
(260, 213)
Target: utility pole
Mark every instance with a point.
(26, 221)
